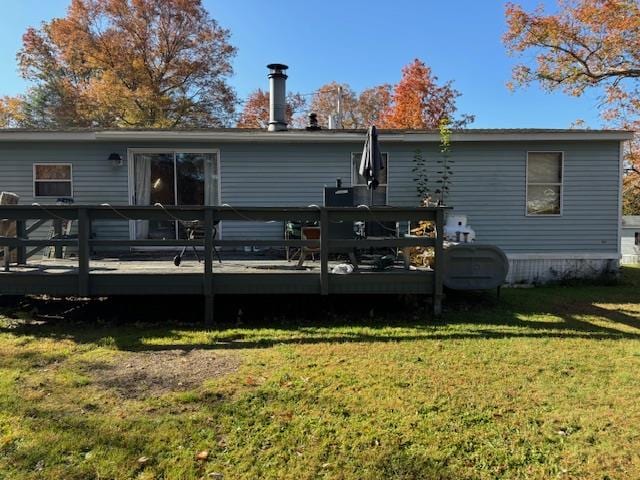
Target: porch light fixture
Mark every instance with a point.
(116, 159)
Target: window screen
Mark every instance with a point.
(544, 183)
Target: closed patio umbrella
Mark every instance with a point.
(371, 162)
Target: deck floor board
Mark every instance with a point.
(115, 265)
(153, 276)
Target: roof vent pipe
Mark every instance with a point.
(313, 122)
(277, 97)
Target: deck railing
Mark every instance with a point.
(86, 215)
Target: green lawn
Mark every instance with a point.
(544, 384)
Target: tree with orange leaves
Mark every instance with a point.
(588, 44)
(325, 100)
(373, 103)
(358, 110)
(130, 63)
(416, 102)
(419, 102)
(255, 113)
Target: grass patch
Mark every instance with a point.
(543, 384)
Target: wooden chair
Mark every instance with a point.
(308, 233)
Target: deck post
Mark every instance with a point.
(8, 227)
(208, 266)
(57, 233)
(438, 263)
(21, 233)
(324, 251)
(83, 251)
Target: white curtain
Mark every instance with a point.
(211, 180)
(142, 175)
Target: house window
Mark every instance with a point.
(544, 183)
(637, 238)
(52, 180)
(170, 177)
(361, 193)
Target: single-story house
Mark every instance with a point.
(551, 199)
(630, 239)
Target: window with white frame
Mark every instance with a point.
(361, 193)
(544, 183)
(52, 180)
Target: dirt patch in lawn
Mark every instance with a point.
(146, 374)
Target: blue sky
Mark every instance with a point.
(363, 43)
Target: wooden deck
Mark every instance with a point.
(92, 275)
(130, 276)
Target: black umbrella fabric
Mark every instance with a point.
(371, 162)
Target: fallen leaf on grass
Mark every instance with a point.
(143, 460)
(202, 455)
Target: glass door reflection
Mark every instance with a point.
(190, 182)
(173, 178)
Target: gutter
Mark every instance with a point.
(304, 137)
(313, 137)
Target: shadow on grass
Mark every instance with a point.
(262, 321)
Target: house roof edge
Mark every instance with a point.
(301, 136)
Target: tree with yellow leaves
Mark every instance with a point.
(11, 113)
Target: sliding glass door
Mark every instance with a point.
(185, 177)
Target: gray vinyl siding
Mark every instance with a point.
(278, 175)
(95, 180)
(488, 185)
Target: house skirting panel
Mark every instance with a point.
(538, 269)
(629, 259)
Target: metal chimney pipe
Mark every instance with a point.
(277, 97)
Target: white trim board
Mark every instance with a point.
(620, 200)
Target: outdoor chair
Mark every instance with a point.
(308, 233)
(195, 231)
(292, 231)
